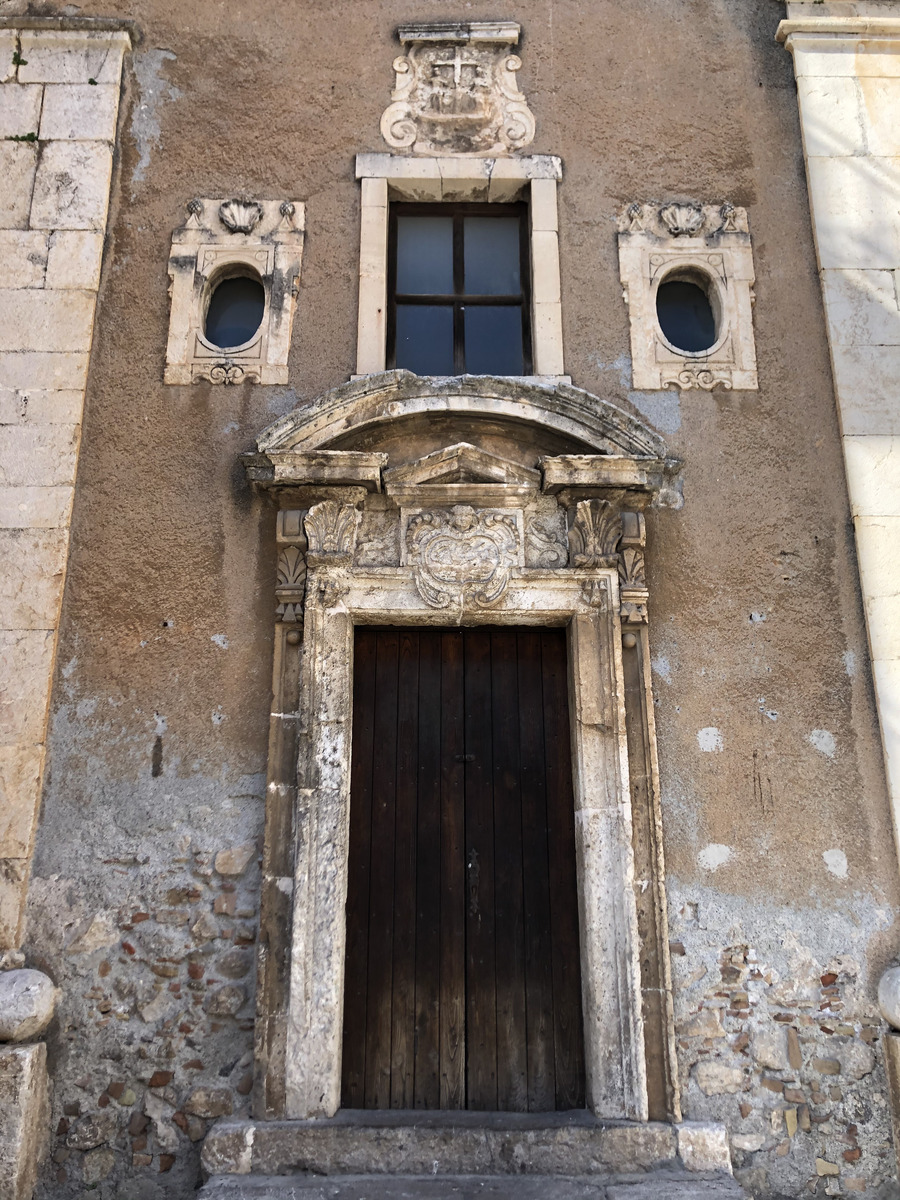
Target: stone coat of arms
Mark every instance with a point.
(462, 556)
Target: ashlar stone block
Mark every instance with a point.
(20, 773)
(849, 194)
(71, 186)
(42, 319)
(866, 383)
(38, 455)
(873, 474)
(80, 111)
(32, 566)
(24, 257)
(72, 56)
(20, 109)
(24, 1118)
(26, 369)
(18, 164)
(35, 507)
(74, 259)
(862, 307)
(8, 43)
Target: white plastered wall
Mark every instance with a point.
(847, 63)
(59, 100)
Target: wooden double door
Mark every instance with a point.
(463, 981)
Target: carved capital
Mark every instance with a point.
(594, 534)
(463, 555)
(595, 594)
(331, 529)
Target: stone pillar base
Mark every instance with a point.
(24, 1118)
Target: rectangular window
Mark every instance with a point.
(458, 289)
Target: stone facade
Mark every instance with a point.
(174, 893)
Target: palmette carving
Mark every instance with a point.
(456, 91)
(331, 528)
(595, 533)
(462, 556)
(290, 587)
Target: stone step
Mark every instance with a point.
(657, 1186)
(571, 1144)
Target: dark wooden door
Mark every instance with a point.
(463, 985)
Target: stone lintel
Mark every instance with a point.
(402, 166)
(334, 468)
(505, 33)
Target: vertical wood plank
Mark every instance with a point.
(509, 934)
(403, 984)
(536, 867)
(353, 1065)
(481, 992)
(427, 936)
(568, 1026)
(381, 903)
(453, 875)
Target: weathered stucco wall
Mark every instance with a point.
(782, 868)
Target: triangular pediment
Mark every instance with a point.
(462, 463)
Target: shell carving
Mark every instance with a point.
(240, 216)
(681, 220)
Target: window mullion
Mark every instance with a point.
(459, 333)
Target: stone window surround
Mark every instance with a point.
(706, 244)
(222, 238)
(585, 603)
(387, 177)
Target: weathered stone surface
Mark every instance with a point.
(470, 1143)
(770, 1050)
(225, 1001)
(716, 1079)
(235, 860)
(98, 1164)
(704, 1147)
(209, 1102)
(889, 996)
(24, 1118)
(503, 1187)
(93, 1130)
(27, 1001)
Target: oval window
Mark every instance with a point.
(686, 316)
(235, 311)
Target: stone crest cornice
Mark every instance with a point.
(873, 27)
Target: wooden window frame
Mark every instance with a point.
(458, 299)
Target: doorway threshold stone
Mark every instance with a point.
(463, 1143)
(659, 1186)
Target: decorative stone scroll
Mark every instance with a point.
(463, 556)
(456, 91)
(705, 244)
(602, 535)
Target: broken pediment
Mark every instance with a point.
(399, 431)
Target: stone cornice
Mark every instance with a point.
(880, 27)
(76, 25)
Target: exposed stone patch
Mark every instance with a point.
(27, 1001)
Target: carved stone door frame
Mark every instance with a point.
(586, 603)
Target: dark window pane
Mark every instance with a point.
(686, 316)
(493, 340)
(235, 312)
(425, 338)
(425, 255)
(491, 250)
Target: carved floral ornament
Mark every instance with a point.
(456, 91)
